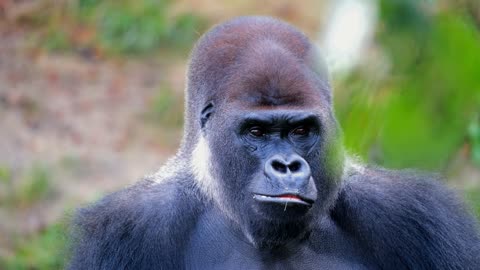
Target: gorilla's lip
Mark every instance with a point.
(283, 198)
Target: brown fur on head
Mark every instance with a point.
(273, 60)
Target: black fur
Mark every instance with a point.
(248, 77)
(408, 220)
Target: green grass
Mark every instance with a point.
(474, 138)
(29, 187)
(117, 27)
(166, 108)
(473, 199)
(5, 174)
(44, 251)
(37, 185)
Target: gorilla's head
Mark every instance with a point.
(260, 131)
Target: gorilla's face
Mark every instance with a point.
(265, 161)
(268, 133)
(270, 170)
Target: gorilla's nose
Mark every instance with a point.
(293, 169)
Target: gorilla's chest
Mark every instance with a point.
(234, 259)
(212, 245)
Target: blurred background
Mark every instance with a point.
(91, 96)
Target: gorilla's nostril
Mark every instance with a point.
(295, 166)
(279, 167)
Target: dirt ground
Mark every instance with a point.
(83, 119)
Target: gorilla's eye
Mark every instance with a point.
(301, 131)
(257, 131)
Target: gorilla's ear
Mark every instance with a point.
(206, 113)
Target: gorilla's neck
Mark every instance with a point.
(263, 235)
(275, 235)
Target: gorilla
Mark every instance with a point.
(261, 180)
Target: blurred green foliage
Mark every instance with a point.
(44, 251)
(36, 186)
(56, 40)
(418, 115)
(472, 197)
(132, 27)
(5, 174)
(166, 108)
(121, 26)
(32, 186)
(474, 136)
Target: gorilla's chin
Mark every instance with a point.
(273, 224)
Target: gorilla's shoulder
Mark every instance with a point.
(406, 219)
(139, 226)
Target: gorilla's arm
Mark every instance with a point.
(408, 221)
(142, 227)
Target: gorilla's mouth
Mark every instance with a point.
(283, 199)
